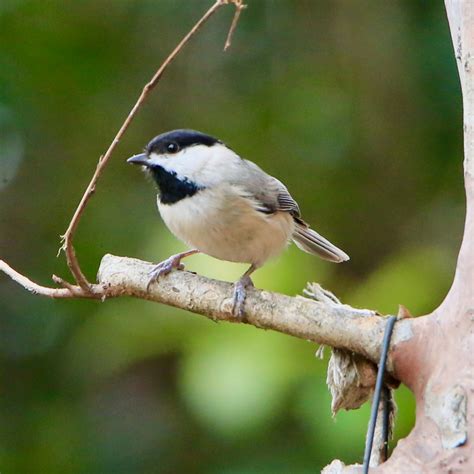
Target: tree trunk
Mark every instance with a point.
(437, 363)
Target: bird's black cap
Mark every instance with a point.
(183, 138)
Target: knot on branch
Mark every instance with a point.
(351, 377)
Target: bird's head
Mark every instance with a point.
(184, 153)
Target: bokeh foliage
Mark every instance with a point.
(355, 105)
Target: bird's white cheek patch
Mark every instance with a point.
(158, 160)
(176, 163)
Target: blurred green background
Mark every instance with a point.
(354, 104)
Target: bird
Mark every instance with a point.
(224, 206)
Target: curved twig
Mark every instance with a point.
(68, 236)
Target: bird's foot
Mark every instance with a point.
(164, 267)
(240, 293)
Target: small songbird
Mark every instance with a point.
(224, 206)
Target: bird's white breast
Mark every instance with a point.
(223, 222)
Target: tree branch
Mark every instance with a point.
(461, 22)
(323, 322)
(333, 324)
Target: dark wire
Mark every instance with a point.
(386, 399)
(376, 399)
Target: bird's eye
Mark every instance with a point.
(172, 148)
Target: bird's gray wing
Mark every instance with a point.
(270, 193)
(286, 202)
(271, 196)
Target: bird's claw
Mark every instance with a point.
(240, 293)
(163, 268)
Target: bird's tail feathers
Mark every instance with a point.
(311, 242)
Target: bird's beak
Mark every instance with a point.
(141, 159)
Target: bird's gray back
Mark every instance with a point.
(269, 191)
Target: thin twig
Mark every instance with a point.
(65, 284)
(71, 291)
(239, 6)
(67, 238)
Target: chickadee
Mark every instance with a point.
(224, 206)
